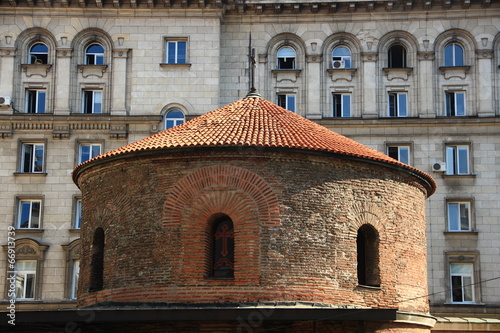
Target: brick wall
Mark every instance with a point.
(295, 218)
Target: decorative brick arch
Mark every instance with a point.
(223, 178)
(365, 213)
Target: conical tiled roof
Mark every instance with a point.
(253, 121)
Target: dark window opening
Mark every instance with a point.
(97, 261)
(367, 255)
(397, 57)
(223, 248)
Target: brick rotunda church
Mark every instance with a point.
(252, 218)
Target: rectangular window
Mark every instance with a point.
(74, 279)
(455, 104)
(398, 105)
(88, 151)
(457, 160)
(77, 223)
(32, 155)
(92, 101)
(400, 153)
(341, 105)
(287, 101)
(459, 217)
(176, 52)
(29, 214)
(462, 283)
(25, 279)
(35, 101)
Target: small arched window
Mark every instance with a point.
(94, 55)
(223, 248)
(397, 57)
(173, 118)
(341, 57)
(368, 256)
(286, 58)
(453, 55)
(39, 54)
(97, 261)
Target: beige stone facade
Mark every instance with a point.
(400, 92)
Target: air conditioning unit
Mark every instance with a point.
(338, 64)
(4, 100)
(439, 167)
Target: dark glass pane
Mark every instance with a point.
(397, 57)
(392, 105)
(31, 101)
(27, 158)
(337, 105)
(181, 52)
(223, 263)
(393, 152)
(456, 285)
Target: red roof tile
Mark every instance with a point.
(253, 121)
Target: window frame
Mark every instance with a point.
(454, 165)
(347, 60)
(453, 60)
(20, 213)
(287, 100)
(32, 167)
(174, 41)
(342, 113)
(399, 147)
(395, 104)
(280, 60)
(76, 223)
(86, 99)
(94, 55)
(176, 121)
(401, 58)
(36, 108)
(44, 59)
(32, 272)
(462, 284)
(74, 278)
(452, 106)
(458, 222)
(82, 145)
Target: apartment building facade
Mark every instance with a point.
(418, 80)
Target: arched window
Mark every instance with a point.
(39, 54)
(173, 118)
(453, 55)
(94, 55)
(286, 58)
(397, 57)
(341, 57)
(368, 258)
(223, 248)
(97, 261)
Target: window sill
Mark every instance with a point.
(217, 278)
(460, 233)
(471, 175)
(362, 286)
(74, 230)
(165, 65)
(29, 231)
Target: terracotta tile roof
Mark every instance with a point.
(253, 121)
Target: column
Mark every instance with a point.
(119, 82)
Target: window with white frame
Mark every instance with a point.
(397, 56)
(88, 151)
(94, 55)
(341, 57)
(457, 160)
(462, 282)
(286, 101)
(92, 101)
(29, 214)
(400, 153)
(286, 58)
(35, 101)
(459, 216)
(455, 104)
(173, 118)
(341, 105)
(25, 279)
(453, 55)
(175, 51)
(38, 54)
(32, 157)
(77, 222)
(397, 104)
(75, 275)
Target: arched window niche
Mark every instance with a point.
(220, 247)
(97, 261)
(367, 247)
